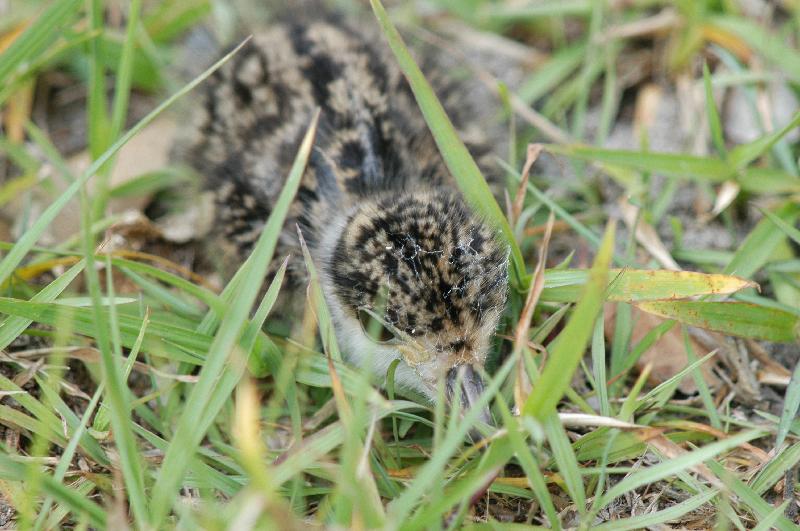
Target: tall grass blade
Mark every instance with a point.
(188, 435)
(703, 169)
(775, 470)
(455, 154)
(758, 246)
(116, 388)
(674, 465)
(759, 507)
(670, 514)
(401, 507)
(714, 122)
(771, 46)
(81, 505)
(32, 235)
(791, 405)
(571, 343)
(565, 458)
(741, 156)
(38, 35)
(787, 229)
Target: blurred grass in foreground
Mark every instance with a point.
(202, 419)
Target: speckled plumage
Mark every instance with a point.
(377, 206)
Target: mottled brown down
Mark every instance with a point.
(385, 223)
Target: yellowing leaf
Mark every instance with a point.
(632, 285)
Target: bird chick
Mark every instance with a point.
(393, 240)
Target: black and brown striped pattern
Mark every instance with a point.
(377, 204)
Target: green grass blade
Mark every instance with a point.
(774, 471)
(703, 169)
(702, 385)
(112, 126)
(122, 82)
(162, 339)
(791, 404)
(163, 296)
(787, 229)
(741, 156)
(79, 504)
(674, 465)
(759, 507)
(97, 118)
(571, 343)
(233, 374)
(56, 517)
(32, 235)
(455, 154)
(548, 76)
(13, 326)
(714, 123)
(431, 471)
(758, 246)
(565, 458)
(660, 394)
(733, 318)
(771, 46)
(599, 366)
(116, 388)
(528, 462)
(317, 298)
(528, 11)
(656, 518)
(187, 435)
(464, 488)
(768, 521)
(38, 35)
(205, 295)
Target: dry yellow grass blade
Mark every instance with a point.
(10, 36)
(727, 40)
(18, 111)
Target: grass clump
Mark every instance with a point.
(135, 394)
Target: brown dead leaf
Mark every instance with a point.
(534, 150)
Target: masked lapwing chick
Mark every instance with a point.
(408, 271)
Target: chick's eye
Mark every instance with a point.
(376, 330)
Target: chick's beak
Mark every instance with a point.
(465, 384)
